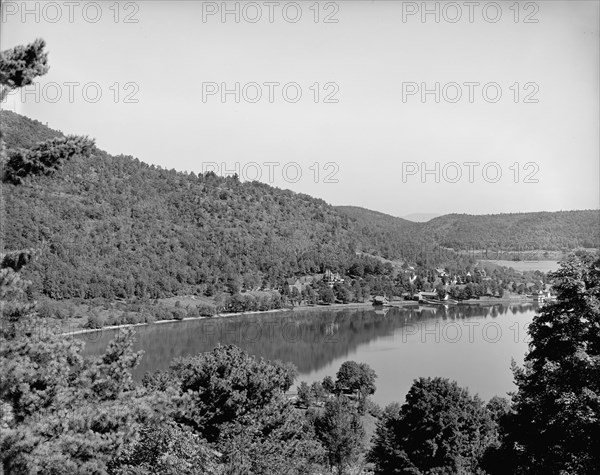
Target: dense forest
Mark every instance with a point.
(115, 227)
(555, 231)
(517, 231)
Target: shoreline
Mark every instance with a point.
(299, 308)
(172, 320)
(496, 300)
(224, 315)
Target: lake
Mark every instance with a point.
(522, 266)
(471, 344)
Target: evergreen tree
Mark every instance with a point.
(61, 413)
(21, 65)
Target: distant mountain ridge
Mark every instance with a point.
(545, 230)
(520, 231)
(113, 226)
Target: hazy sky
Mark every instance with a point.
(161, 66)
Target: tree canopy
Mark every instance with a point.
(557, 406)
(19, 66)
(356, 378)
(440, 428)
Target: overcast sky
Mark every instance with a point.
(160, 68)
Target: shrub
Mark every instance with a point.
(193, 312)
(134, 307)
(45, 309)
(113, 319)
(178, 314)
(161, 313)
(61, 313)
(206, 310)
(94, 321)
(130, 318)
(148, 317)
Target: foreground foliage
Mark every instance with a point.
(341, 432)
(555, 427)
(440, 429)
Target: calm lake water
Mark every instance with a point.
(473, 345)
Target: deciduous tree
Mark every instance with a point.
(439, 429)
(357, 378)
(222, 385)
(557, 423)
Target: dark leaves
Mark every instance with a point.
(45, 158)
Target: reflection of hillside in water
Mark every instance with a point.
(310, 340)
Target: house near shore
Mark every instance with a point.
(421, 296)
(549, 289)
(332, 278)
(310, 279)
(303, 282)
(491, 293)
(294, 283)
(380, 300)
(545, 295)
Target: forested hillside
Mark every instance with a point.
(517, 231)
(385, 234)
(560, 230)
(113, 226)
(22, 132)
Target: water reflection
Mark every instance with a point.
(426, 338)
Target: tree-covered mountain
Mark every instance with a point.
(542, 230)
(517, 231)
(386, 235)
(113, 226)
